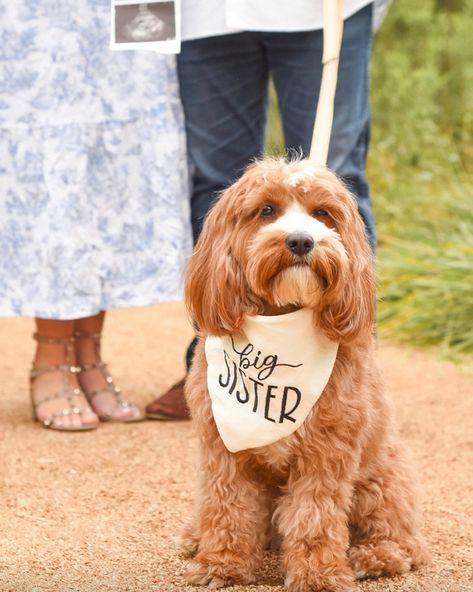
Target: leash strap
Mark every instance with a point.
(333, 33)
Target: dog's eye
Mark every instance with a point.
(320, 212)
(267, 211)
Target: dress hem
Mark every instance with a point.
(92, 311)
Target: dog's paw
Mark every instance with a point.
(328, 580)
(187, 548)
(188, 543)
(383, 558)
(219, 575)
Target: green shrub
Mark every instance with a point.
(426, 276)
(421, 171)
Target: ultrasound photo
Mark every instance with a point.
(138, 25)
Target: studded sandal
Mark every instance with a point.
(69, 392)
(110, 386)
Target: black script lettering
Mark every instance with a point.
(220, 381)
(287, 414)
(267, 365)
(247, 350)
(255, 406)
(232, 388)
(269, 396)
(255, 363)
(239, 399)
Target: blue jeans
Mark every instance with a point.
(224, 91)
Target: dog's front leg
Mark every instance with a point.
(384, 517)
(232, 519)
(312, 519)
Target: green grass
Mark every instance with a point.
(421, 172)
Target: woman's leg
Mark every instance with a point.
(55, 347)
(94, 379)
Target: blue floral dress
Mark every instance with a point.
(94, 189)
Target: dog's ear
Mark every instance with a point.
(348, 307)
(217, 295)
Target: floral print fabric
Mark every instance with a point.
(94, 190)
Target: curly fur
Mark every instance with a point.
(339, 490)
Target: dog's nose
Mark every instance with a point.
(300, 243)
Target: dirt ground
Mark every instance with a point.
(100, 511)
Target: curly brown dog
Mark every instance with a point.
(339, 489)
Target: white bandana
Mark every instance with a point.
(264, 381)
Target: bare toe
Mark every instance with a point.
(126, 413)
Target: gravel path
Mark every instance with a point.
(100, 511)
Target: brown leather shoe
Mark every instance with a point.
(170, 406)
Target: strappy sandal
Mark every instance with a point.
(110, 386)
(68, 392)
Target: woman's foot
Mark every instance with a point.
(58, 403)
(96, 382)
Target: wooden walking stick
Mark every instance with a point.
(333, 32)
